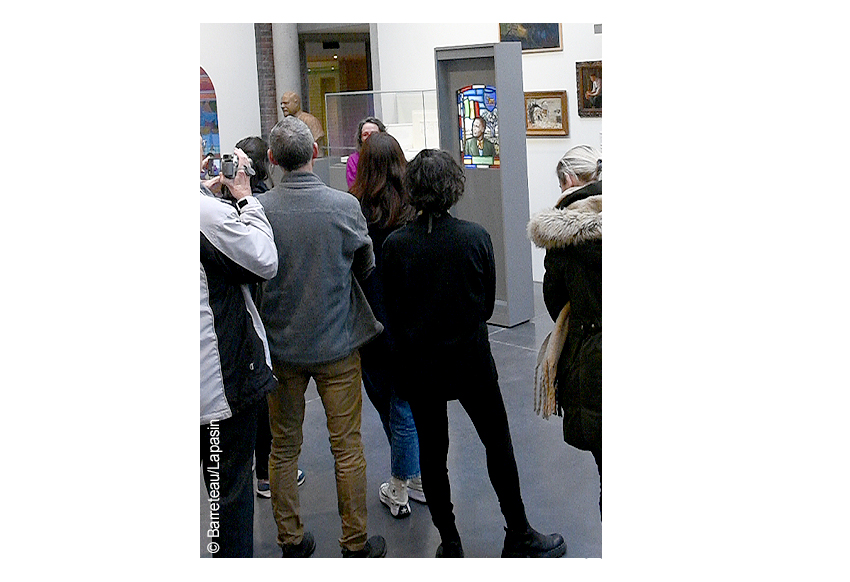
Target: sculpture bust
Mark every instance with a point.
(291, 105)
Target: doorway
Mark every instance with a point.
(333, 62)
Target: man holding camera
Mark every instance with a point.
(237, 250)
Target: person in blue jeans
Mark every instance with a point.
(386, 206)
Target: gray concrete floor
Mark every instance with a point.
(560, 484)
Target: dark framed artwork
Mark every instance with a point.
(589, 88)
(478, 126)
(535, 38)
(546, 113)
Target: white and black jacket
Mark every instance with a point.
(237, 250)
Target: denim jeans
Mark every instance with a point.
(338, 384)
(227, 447)
(398, 424)
(395, 413)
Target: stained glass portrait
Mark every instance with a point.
(478, 126)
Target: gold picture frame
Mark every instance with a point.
(546, 113)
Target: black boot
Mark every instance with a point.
(533, 544)
(450, 550)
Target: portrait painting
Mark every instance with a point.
(589, 88)
(478, 126)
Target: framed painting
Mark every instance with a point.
(535, 38)
(546, 113)
(589, 88)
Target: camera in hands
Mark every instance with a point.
(229, 166)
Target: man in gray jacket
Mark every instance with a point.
(316, 318)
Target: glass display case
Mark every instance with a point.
(410, 117)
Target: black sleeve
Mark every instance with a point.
(490, 278)
(215, 261)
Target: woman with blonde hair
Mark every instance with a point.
(571, 233)
(580, 166)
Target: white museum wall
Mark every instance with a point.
(556, 71)
(403, 59)
(551, 71)
(229, 56)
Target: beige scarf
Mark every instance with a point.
(545, 398)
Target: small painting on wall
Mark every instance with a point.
(546, 113)
(589, 88)
(534, 37)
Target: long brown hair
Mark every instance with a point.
(379, 185)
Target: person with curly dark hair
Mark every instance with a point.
(439, 281)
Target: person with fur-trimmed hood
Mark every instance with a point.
(571, 233)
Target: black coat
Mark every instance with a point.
(439, 283)
(571, 233)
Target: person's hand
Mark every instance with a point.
(214, 184)
(240, 185)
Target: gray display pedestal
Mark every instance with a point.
(497, 199)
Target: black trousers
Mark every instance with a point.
(597, 456)
(227, 448)
(474, 382)
(263, 447)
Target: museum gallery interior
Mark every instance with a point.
(507, 100)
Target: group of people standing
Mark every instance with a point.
(380, 286)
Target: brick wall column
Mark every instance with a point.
(266, 78)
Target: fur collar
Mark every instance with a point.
(579, 222)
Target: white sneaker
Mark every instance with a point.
(414, 489)
(394, 496)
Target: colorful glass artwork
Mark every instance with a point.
(478, 126)
(209, 116)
